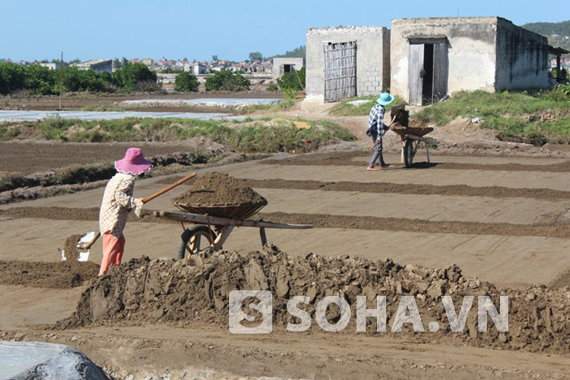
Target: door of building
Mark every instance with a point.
(340, 71)
(429, 71)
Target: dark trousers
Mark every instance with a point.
(377, 154)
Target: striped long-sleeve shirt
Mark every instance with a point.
(376, 121)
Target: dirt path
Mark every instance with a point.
(433, 176)
(199, 348)
(358, 158)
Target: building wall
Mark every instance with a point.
(522, 58)
(105, 66)
(372, 58)
(278, 63)
(472, 51)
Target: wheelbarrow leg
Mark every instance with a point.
(263, 236)
(222, 237)
(427, 151)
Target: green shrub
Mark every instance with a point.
(12, 77)
(292, 81)
(41, 80)
(186, 82)
(227, 81)
(135, 76)
(77, 80)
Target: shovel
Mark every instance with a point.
(87, 241)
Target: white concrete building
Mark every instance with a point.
(99, 65)
(286, 65)
(433, 57)
(344, 62)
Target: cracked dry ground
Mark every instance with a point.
(502, 219)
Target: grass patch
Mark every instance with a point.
(362, 108)
(535, 118)
(263, 135)
(103, 108)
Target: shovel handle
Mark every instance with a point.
(159, 193)
(145, 200)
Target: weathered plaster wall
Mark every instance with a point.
(278, 64)
(372, 58)
(522, 58)
(472, 52)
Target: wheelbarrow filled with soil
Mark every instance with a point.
(412, 136)
(217, 203)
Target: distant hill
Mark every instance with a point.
(558, 33)
(295, 53)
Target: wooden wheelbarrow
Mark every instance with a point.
(412, 137)
(211, 232)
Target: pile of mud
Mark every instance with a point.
(171, 291)
(219, 189)
(70, 248)
(61, 275)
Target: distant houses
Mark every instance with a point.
(51, 65)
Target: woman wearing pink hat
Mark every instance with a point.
(118, 200)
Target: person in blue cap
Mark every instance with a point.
(376, 129)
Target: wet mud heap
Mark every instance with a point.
(175, 292)
(70, 248)
(219, 189)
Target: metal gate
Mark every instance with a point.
(340, 71)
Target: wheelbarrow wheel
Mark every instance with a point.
(195, 241)
(409, 153)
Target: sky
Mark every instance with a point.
(176, 29)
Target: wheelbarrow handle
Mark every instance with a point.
(145, 200)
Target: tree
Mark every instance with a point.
(12, 77)
(215, 57)
(255, 56)
(227, 81)
(299, 52)
(42, 80)
(186, 82)
(77, 80)
(134, 75)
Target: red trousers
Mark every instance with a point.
(113, 249)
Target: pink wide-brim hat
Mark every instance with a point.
(133, 163)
